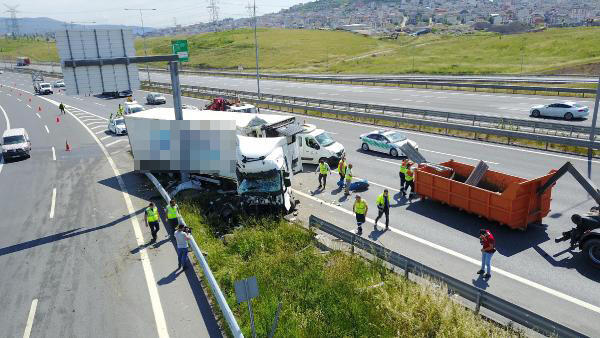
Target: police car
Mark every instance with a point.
(385, 141)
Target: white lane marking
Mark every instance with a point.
(115, 142)
(159, 316)
(47, 130)
(30, 318)
(105, 137)
(89, 124)
(38, 115)
(8, 94)
(466, 258)
(96, 127)
(7, 127)
(452, 155)
(28, 106)
(53, 203)
(53, 154)
(18, 99)
(100, 104)
(101, 131)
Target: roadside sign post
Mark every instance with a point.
(593, 131)
(180, 48)
(245, 290)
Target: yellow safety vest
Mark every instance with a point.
(360, 207)
(152, 214)
(324, 168)
(342, 167)
(381, 200)
(408, 176)
(171, 212)
(348, 175)
(403, 168)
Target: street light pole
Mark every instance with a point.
(143, 33)
(256, 52)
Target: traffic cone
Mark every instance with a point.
(67, 146)
(58, 119)
(39, 108)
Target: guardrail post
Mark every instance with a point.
(406, 268)
(352, 244)
(478, 302)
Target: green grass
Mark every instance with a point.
(38, 50)
(324, 294)
(315, 51)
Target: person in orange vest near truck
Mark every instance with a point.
(360, 208)
(488, 244)
(409, 178)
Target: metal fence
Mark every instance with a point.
(298, 105)
(212, 282)
(481, 298)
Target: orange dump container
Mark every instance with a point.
(509, 200)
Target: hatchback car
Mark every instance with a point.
(567, 110)
(117, 126)
(156, 98)
(385, 141)
(15, 143)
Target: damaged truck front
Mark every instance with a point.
(211, 149)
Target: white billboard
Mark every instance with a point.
(97, 44)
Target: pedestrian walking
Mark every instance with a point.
(342, 169)
(323, 170)
(488, 244)
(383, 207)
(402, 173)
(120, 111)
(409, 178)
(172, 214)
(151, 218)
(348, 179)
(61, 107)
(360, 208)
(182, 238)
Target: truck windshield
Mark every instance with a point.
(324, 139)
(271, 182)
(14, 139)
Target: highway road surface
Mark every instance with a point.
(74, 253)
(529, 268)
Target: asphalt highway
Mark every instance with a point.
(530, 269)
(74, 258)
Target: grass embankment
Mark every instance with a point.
(37, 49)
(316, 51)
(331, 294)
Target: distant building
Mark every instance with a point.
(355, 27)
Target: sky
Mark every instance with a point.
(112, 12)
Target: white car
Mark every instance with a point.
(133, 107)
(58, 84)
(188, 106)
(117, 126)
(385, 141)
(567, 110)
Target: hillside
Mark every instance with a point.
(314, 51)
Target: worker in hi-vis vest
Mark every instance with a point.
(347, 179)
(409, 177)
(342, 169)
(173, 214)
(360, 208)
(403, 168)
(323, 170)
(151, 217)
(383, 207)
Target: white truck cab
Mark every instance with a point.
(316, 144)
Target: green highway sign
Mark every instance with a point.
(180, 47)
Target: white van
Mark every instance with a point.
(316, 144)
(15, 143)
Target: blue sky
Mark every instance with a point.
(111, 11)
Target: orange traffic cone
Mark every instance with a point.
(67, 146)
(58, 119)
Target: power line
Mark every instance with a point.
(13, 23)
(213, 9)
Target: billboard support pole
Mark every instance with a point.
(174, 67)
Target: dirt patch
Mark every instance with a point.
(585, 69)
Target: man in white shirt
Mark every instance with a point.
(182, 239)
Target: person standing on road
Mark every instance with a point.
(402, 174)
(182, 239)
(360, 208)
(172, 214)
(383, 207)
(488, 244)
(61, 107)
(409, 177)
(323, 170)
(342, 169)
(151, 217)
(348, 179)
(120, 111)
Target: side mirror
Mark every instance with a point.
(287, 182)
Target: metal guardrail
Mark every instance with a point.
(399, 82)
(536, 127)
(481, 298)
(476, 130)
(212, 282)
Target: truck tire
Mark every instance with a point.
(591, 248)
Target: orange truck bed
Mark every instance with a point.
(508, 200)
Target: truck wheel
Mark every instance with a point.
(592, 249)
(394, 152)
(365, 147)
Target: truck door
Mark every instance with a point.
(304, 150)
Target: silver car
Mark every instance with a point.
(567, 110)
(156, 98)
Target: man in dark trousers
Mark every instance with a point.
(323, 170)
(182, 239)
(151, 217)
(360, 209)
(61, 107)
(383, 207)
(172, 214)
(488, 244)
